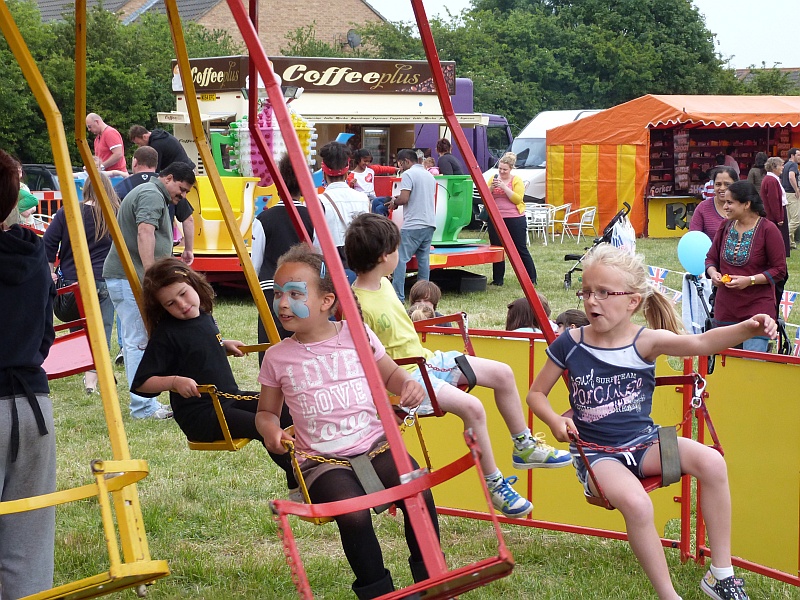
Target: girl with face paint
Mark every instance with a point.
(318, 374)
(185, 349)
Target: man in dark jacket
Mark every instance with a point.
(167, 145)
(27, 433)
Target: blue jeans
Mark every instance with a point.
(756, 344)
(413, 242)
(134, 337)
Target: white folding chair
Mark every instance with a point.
(555, 220)
(484, 221)
(537, 220)
(578, 221)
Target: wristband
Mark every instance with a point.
(752, 279)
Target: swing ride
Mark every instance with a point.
(767, 546)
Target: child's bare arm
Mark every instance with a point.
(399, 382)
(232, 347)
(268, 420)
(538, 403)
(185, 386)
(653, 343)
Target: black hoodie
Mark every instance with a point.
(169, 149)
(26, 310)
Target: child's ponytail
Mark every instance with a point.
(659, 312)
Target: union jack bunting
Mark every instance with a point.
(657, 276)
(787, 301)
(677, 297)
(796, 350)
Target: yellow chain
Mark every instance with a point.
(236, 396)
(335, 461)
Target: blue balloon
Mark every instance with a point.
(692, 250)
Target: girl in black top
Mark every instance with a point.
(185, 349)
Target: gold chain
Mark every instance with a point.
(335, 461)
(236, 396)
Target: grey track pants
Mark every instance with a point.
(27, 539)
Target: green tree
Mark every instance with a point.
(769, 81)
(128, 73)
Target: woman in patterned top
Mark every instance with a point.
(745, 262)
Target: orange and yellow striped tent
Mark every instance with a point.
(603, 160)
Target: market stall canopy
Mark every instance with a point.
(629, 123)
(603, 160)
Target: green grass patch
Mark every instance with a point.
(207, 512)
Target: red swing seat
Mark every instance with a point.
(70, 353)
(445, 585)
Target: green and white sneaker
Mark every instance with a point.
(506, 499)
(536, 454)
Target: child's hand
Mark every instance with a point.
(274, 440)
(232, 347)
(765, 323)
(561, 428)
(412, 395)
(185, 386)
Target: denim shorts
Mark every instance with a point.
(631, 460)
(442, 370)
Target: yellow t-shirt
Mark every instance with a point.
(387, 317)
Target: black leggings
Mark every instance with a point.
(241, 418)
(361, 546)
(518, 230)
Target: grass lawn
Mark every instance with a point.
(207, 514)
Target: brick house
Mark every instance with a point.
(331, 18)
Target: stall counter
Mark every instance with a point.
(669, 216)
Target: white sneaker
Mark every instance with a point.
(295, 495)
(161, 414)
(120, 358)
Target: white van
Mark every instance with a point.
(531, 150)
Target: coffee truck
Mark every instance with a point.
(377, 102)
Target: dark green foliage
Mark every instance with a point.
(128, 74)
(531, 55)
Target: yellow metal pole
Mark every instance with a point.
(213, 173)
(126, 501)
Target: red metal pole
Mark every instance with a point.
(417, 510)
(472, 165)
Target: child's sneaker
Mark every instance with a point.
(538, 455)
(729, 588)
(507, 500)
(295, 495)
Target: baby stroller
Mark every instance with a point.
(605, 238)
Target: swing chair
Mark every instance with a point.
(228, 442)
(667, 440)
(445, 585)
(70, 353)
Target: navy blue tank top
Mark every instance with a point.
(610, 389)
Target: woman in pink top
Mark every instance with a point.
(508, 192)
(317, 372)
(709, 215)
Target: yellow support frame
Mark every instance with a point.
(136, 566)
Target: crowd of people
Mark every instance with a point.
(174, 345)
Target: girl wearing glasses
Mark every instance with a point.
(610, 364)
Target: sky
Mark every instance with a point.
(744, 33)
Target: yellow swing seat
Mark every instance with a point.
(228, 443)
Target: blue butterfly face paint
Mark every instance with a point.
(296, 293)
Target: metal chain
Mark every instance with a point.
(237, 396)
